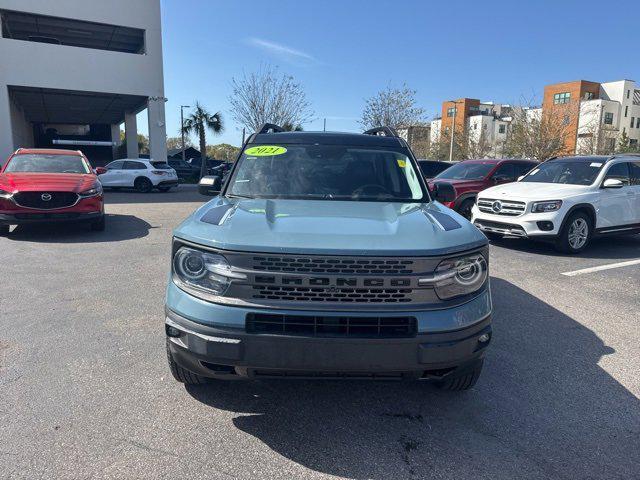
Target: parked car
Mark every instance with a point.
(221, 170)
(567, 201)
(43, 186)
(141, 174)
(324, 256)
(184, 169)
(431, 168)
(197, 161)
(472, 176)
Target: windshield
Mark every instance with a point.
(47, 164)
(467, 171)
(571, 172)
(327, 172)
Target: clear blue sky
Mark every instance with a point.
(343, 51)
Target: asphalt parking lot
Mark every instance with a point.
(85, 391)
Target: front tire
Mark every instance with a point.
(143, 185)
(575, 234)
(183, 375)
(464, 380)
(465, 208)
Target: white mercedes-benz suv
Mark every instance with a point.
(566, 200)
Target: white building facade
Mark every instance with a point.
(72, 71)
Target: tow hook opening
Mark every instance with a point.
(219, 369)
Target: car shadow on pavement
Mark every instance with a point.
(543, 408)
(180, 194)
(118, 228)
(615, 248)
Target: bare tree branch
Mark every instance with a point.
(392, 107)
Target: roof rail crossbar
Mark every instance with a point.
(270, 128)
(384, 131)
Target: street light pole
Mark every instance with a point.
(453, 130)
(182, 107)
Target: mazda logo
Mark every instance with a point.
(45, 197)
(496, 206)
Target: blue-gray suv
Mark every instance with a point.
(325, 255)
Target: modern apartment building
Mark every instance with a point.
(72, 71)
(597, 114)
(480, 122)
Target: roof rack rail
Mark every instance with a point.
(270, 128)
(383, 131)
(630, 154)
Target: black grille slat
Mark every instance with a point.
(350, 295)
(34, 200)
(333, 265)
(332, 326)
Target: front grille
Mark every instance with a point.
(503, 228)
(323, 326)
(339, 295)
(333, 265)
(54, 199)
(501, 207)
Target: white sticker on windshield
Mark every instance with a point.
(595, 164)
(532, 173)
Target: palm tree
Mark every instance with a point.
(198, 122)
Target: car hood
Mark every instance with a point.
(330, 227)
(534, 191)
(51, 182)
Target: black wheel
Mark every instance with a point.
(575, 234)
(463, 381)
(182, 375)
(4, 229)
(164, 189)
(143, 185)
(465, 208)
(98, 225)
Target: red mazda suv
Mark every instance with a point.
(469, 177)
(40, 186)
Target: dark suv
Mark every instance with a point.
(470, 177)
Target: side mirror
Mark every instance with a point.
(100, 170)
(444, 192)
(501, 179)
(612, 183)
(210, 185)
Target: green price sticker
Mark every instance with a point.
(265, 151)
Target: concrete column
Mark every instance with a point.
(157, 129)
(131, 133)
(6, 131)
(115, 138)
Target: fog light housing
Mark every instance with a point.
(545, 226)
(172, 331)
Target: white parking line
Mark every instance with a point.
(601, 267)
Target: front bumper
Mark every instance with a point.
(47, 217)
(213, 342)
(526, 225)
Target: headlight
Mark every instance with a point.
(4, 194)
(459, 276)
(550, 206)
(202, 272)
(92, 192)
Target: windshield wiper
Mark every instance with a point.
(235, 195)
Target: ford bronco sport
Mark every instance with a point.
(324, 255)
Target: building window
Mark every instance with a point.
(626, 111)
(451, 111)
(628, 93)
(608, 118)
(588, 95)
(560, 98)
(632, 121)
(638, 122)
(502, 129)
(446, 129)
(566, 120)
